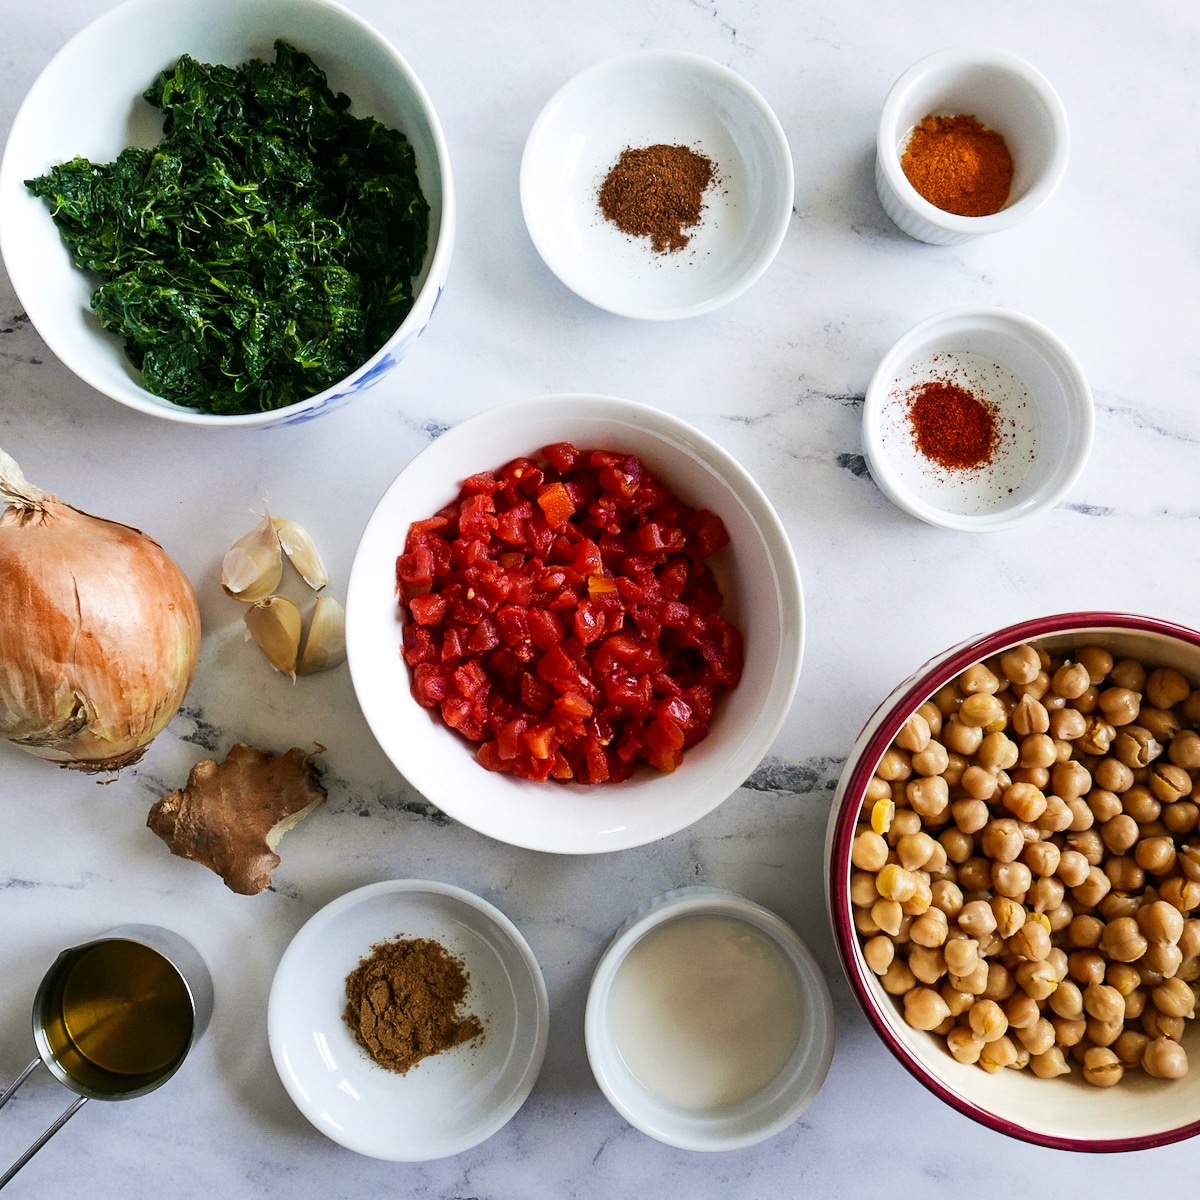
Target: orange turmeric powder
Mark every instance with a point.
(959, 165)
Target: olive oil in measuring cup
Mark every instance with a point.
(120, 1016)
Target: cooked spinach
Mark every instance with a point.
(263, 250)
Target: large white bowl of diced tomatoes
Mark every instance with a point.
(575, 623)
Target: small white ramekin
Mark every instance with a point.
(1000, 91)
(1043, 405)
(758, 1116)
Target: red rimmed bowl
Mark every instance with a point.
(1064, 1113)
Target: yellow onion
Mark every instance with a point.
(99, 631)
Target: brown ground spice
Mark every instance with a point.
(402, 1003)
(657, 192)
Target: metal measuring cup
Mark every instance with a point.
(65, 1032)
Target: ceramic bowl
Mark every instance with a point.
(88, 102)
(749, 1118)
(447, 1102)
(1000, 91)
(757, 574)
(1041, 402)
(645, 99)
(1065, 1113)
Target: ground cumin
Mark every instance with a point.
(657, 192)
(402, 1003)
(958, 165)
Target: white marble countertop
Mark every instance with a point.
(1111, 264)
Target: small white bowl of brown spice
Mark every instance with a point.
(971, 140)
(977, 419)
(408, 1020)
(657, 185)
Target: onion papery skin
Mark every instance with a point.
(99, 636)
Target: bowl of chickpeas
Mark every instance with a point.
(1014, 879)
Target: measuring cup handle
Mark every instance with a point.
(79, 1103)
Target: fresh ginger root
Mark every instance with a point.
(231, 816)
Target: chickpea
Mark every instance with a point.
(974, 983)
(1122, 940)
(975, 874)
(1011, 879)
(1129, 1047)
(1071, 680)
(1067, 1000)
(921, 899)
(932, 760)
(1162, 958)
(1156, 855)
(1037, 978)
(962, 956)
(929, 929)
(895, 883)
(879, 953)
(1097, 736)
(1021, 664)
(1136, 747)
(1022, 1011)
(864, 923)
(926, 963)
(1156, 1024)
(1072, 868)
(1113, 775)
(1160, 922)
(898, 979)
(1183, 893)
(1162, 723)
(988, 1020)
(1002, 840)
(1031, 941)
(1120, 834)
(1029, 717)
(1000, 983)
(914, 850)
(1038, 777)
(1081, 815)
(1066, 725)
(1024, 801)
(914, 734)
(1189, 862)
(1089, 844)
(997, 752)
(1120, 705)
(1166, 688)
(863, 891)
(1125, 875)
(1181, 817)
(960, 738)
(977, 918)
(1092, 890)
(924, 1008)
(869, 852)
(1184, 750)
(1103, 1002)
(1010, 916)
(963, 1045)
(958, 845)
(1130, 674)
(928, 796)
(1118, 904)
(1165, 1059)
(1169, 783)
(1101, 1067)
(1096, 661)
(1103, 1033)
(1049, 1064)
(1068, 1031)
(894, 765)
(997, 1055)
(1059, 917)
(887, 915)
(1037, 687)
(1189, 939)
(1046, 895)
(980, 710)
(1140, 803)
(978, 678)
(1086, 967)
(948, 897)
(1070, 779)
(1174, 998)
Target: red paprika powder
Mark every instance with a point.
(951, 426)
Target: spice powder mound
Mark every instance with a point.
(953, 427)
(403, 1003)
(959, 165)
(657, 192)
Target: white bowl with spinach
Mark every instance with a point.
(222, 270)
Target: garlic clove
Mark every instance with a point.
(325, 646)
(302, 553)
(253, 565)
(274, 624)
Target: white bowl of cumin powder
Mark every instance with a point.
(408, 1020)
(657, 185)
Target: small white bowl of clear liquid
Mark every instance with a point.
(709, 1024)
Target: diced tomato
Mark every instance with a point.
(517, 630)
(556, 503)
